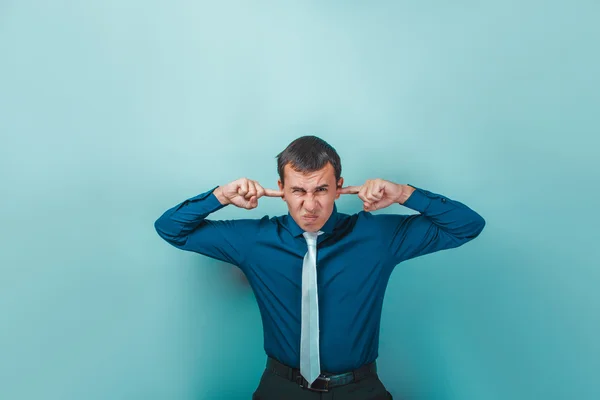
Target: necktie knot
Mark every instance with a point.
(311, 237)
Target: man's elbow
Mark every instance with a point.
(471, 228)
(478, 225)
(158, 227)
(161, 227)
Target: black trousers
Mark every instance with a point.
(274, 387)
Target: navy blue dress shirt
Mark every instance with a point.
(355, 256)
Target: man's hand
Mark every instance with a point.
(378, 193)
(244, 193)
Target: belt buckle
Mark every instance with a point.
(321, 384)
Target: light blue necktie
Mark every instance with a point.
(310, 365)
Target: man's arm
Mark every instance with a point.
(185, 226)
(442, 224)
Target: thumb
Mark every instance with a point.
(253, 202)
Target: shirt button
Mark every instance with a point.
(443, 200)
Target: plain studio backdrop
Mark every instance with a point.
(113, 111)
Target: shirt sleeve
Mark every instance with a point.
(442, 223)
(185, 226)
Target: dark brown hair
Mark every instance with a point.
(308, 154)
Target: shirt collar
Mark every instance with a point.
(328, 228)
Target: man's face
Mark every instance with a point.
(310, 197)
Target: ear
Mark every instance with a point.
(339, 187)
(281, 188)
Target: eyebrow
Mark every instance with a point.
(318, 187)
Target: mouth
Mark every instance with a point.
(310, 217)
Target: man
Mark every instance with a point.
(319, 276)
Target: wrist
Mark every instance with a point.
(218, 192)
(405, 192)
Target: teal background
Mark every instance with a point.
(113, 111)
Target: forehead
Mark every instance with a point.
(322, 176)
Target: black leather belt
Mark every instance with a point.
(325, 381)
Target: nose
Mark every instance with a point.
(310, 205)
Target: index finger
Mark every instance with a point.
(273, 193)
(350, 190)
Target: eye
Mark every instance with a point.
(322, 189)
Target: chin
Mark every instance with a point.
(312, 227)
